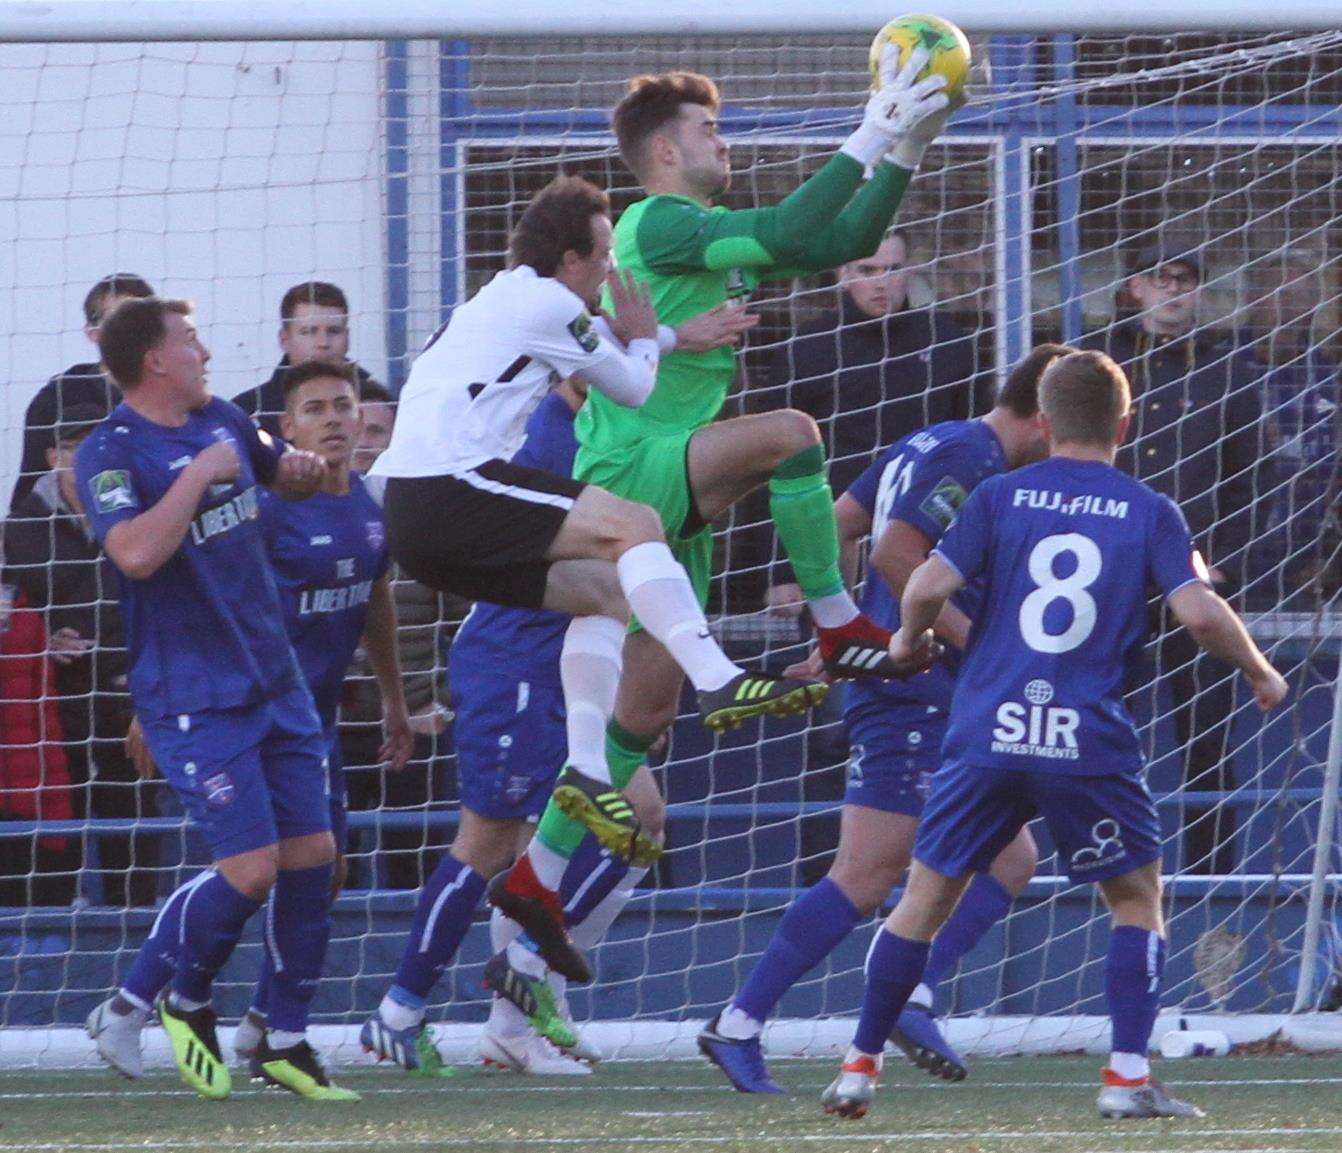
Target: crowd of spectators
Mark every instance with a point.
(1241, 426)
(64, 707)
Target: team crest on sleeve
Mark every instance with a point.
(111, 490)
(377, 534)
(944, 501)
(580, 328)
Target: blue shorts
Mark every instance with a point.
(336, 793)
(248, 776)
(891, 766)
(1103, 826)
(510, 741)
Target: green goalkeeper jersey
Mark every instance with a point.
(693, 258)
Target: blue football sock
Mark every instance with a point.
(261, 997)
(809, 931)
(894, 969)
(445, 910)
(1132, 973)
(982, 905)
(298, 928)
(592, 874)
(213, 917)
(153, 966)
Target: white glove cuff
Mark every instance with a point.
(867, 145)
(907, 153)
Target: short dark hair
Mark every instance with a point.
(1085, 396)
(312, 292)
(118, 284)
(653, 102)
(131, 330)
(372, 392)
(307, 370)
(1020, 393)
(558, 220)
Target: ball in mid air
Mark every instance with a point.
(948, 46)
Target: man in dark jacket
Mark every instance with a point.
(50, 554)
(78, 384)
(873, 370)
(1198, 436)
(314, 325)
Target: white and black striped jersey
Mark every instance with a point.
(477, 381)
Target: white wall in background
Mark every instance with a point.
(223, 173)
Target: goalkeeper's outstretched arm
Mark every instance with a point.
(821, 224)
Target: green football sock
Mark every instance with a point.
(802, 507)
(624, 753)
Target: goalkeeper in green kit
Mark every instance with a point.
(669, 453)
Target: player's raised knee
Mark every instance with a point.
(793, 432)
(635, 524)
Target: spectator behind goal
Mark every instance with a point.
(314, 325)
(1285, 346)
(51, 555)
(84, 383)
(1197, 436)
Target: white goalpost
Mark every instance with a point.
(226, 150)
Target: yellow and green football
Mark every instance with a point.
(948, 46)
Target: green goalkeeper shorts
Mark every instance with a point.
(653, 472)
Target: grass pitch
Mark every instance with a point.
(1037, 1105)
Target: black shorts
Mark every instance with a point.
(482, 533)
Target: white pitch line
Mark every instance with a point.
(471, 1083)
(1146, 1135)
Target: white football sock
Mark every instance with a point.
(738, 1024)
(507, 1020)
(397, 1016)
(279, 1039)
(1130, 1066)
(833, 611)
(589, 667)
(549, 866)
(503, 931)
(525, 961)
(922, 996)
(661, 596)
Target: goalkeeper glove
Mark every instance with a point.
(904, 115)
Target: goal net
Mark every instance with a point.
(227, 172)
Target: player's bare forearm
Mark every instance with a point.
(854, 523)
(141, 546)
(928, 589)
(1218, 629)
(901, 549)
(379, 642)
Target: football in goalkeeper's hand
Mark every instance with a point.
(944, 42)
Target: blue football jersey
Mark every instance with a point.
(205, 631)
(326, 552)
(922, 479)
(524, 642)
(1065, 551)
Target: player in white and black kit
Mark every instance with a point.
(461, 518)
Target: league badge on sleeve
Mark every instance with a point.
(111, 490)
(943, 503)
(580, 328)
